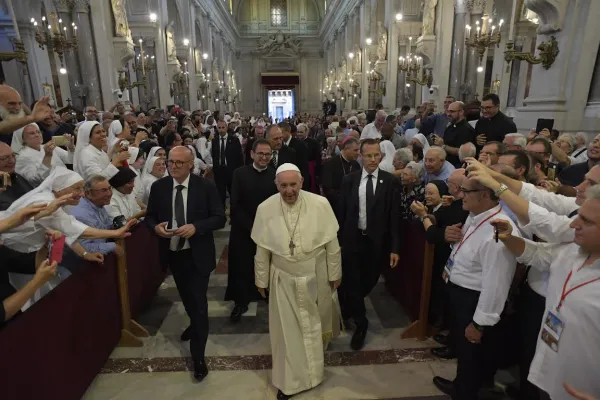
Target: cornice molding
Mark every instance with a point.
(218, 14)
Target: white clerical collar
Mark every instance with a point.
(480, 217)
(185, 183)
(374, 173)
(259, 169)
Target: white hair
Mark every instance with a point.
(520, 140)
(417, 169)
(466, 150)
(593, 193)
(441, 152)
(404, 155)
(381, 113)
(582, 135)
(570, 139)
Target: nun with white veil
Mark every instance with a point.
(199, 165)
(90, 153)
(159, 152)
(114, 130)
(61, 188)
(154, 169)
(33, 162)
(388, 150)
(421, 140)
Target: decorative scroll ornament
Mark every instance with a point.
(120, 16)
(279, 43)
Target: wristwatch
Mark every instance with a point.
(84, 254)
(478, 327)
(424, 217)
(503, 188)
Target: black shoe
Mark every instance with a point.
(444, 385)
(282, 396)
(447, 353)
(187, 334)
(200, 371)
(358, 339)
(513, 392)
(237, 312)
(441, 339)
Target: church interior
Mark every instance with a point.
(278, 58)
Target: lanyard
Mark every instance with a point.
(477, 227)
(566, 292)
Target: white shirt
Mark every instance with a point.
(362, 197)
(370, 132)
(287, 142)
(222, 148)
(485, 266)
(122, 204)
(29, 163)
(576, 361)
(31, 236)
(579, 156)
(548, 221)
(184, 193)
(147, 182)
(95, 162)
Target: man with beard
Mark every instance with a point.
(13, 115)
(252, 184)
(493, 124)
(49, 128)
(18, 185)
(456, 134)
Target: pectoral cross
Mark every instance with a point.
(292, 246)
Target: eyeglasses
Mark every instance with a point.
(264, 155)
(177, 163)
(8, 157)
(103, 191)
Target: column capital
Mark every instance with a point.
(82, 6)
(476, 6)
(460, 6)
(63, 6)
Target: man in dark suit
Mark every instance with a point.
(337, 168)
(301, 152)
(368, 234)
(227, 157)
(281, 154)
(184, 210)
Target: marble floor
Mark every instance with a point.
(239, 355)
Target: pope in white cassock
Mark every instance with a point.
(298, 260)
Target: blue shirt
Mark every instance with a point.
(436, 123)
(94, 217)
(443, 175)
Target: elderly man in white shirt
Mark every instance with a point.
(479, 273)
(373, 130)
(34, 160)
(567, 349)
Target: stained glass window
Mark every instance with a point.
(279, 12)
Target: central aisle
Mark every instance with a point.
(239, 358)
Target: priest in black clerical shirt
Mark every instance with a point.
(252, 184)
(493, 124)
(337, 167)
(457, 133)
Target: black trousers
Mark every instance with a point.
(361, 268)
(530, 314)
(475, 361)
(223, 181)
(192, 286)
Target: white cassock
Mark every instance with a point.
(303, 310)
(29, 163)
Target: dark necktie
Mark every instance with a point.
(370, 196)
(274, 159)
(179, 214)
(222, 153)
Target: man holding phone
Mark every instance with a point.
(493, 124)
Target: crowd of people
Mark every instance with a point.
(318, 206)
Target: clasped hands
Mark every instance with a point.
(186, 231)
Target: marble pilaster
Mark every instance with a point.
(364, 33)
(443, 52)
(38, 62)
(86, 53)
(469, 88)
(389, 100)
(458, 47)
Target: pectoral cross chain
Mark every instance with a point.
(292, 246)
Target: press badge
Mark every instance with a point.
(552, 330)
(447, 268)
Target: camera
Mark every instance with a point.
(119, 93)
(431, 90)
(118, 222)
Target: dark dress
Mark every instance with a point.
(250, 188)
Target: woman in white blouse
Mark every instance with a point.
(154, 169)
(34, 160)
(90, 153)
(204, 147)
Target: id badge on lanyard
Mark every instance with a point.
(552, 329)
(448, 268)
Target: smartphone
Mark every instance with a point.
(544, 123)
(60, 141)
(4, 181)
(551, 172)
(55, 249)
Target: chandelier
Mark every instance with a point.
(484, 35)
(55, 36)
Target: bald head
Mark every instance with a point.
(456, 112)
(455, 181)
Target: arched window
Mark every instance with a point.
(279, 12)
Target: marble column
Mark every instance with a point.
(63, 9)
(87, 55)
(389, 100)
(443, 52)
(458, 47)
(38, 62)
(191, 65)
(364, 34)
(470, 87)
